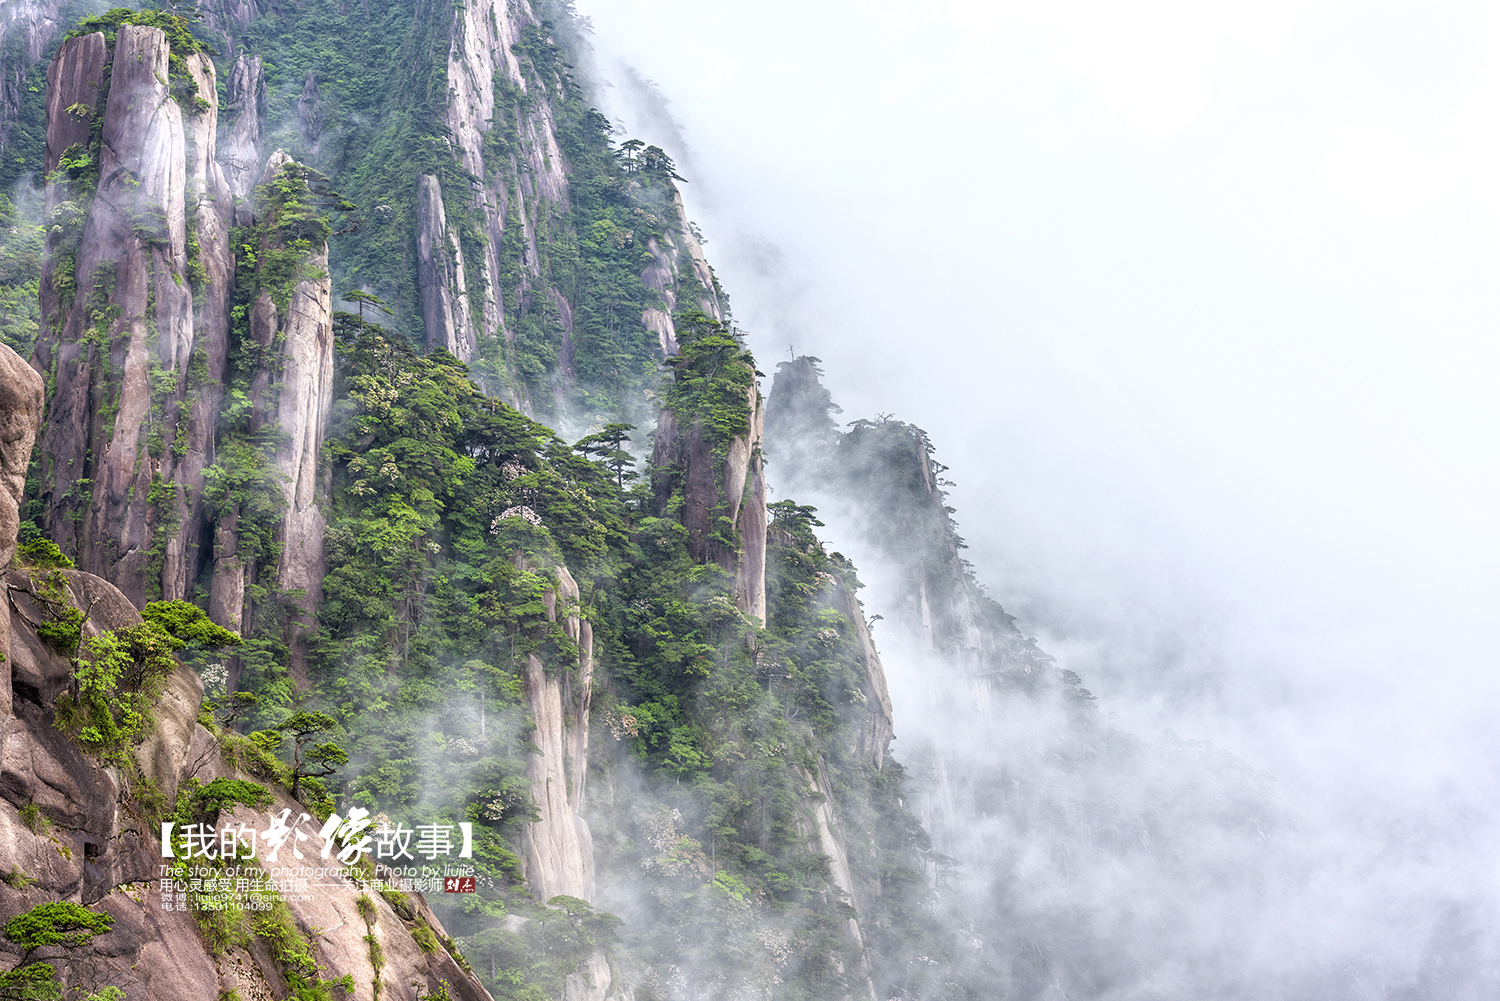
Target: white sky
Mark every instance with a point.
(1198, 300)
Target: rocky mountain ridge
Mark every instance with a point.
(217, 432)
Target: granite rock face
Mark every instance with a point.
(559, 848)
(292, 391)
(714, 485)
(136, 332)
(129, 426)
(21, 402)
(480, 51)
(441, 275)
(241, 154)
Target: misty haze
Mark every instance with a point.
(834, 501)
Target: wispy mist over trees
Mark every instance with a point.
(380, 444)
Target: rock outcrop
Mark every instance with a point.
(559, 848)
(21, 400)
(310, 113)
(81, 831)
(724, 484)
(801, 434)
(135, 360)
(882, 474)
(682, 254)
(535, 178)
(824, 835)
(686, 242)
(745, 490)
(659, 274)
(290, 390)
(241, 154)
(136, 332)
(879, 727)
(441, 277)
(100, 837)
(302, 407)
(22, 396)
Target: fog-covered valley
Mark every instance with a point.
(838, 501)
(1196, 308)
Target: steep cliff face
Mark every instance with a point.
(696, 277)
(90, 807)
(879, 725)
(303, 403)
(83, 832)
(480, 56)
(825, 832)
(286, 345)
(225, 19)
(883, 476)
(27, 28)
(539, 272)
(138, 232)
(139, 294)
(559, 848)
(677, 260)
(240, 155)
(441, 276)
(310, 113)
(22, 399)
(706, 460)
(82, 826)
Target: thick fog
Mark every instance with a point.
(1199, 303)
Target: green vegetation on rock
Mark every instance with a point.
(733, 792)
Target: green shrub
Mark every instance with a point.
(424, 937)
(31, 816)
(115, 683)
(33, 982)
(42, 554)
(18, 878)
(58, 923)
(189, 624)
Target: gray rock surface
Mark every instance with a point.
(21, 400)
(73, 81)
(734, 488)
(559, 848)
(310, 112)
(302, 408)
(122, 476)
(292, 392)
(441, 276)
(879, 725)
(240, 156)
